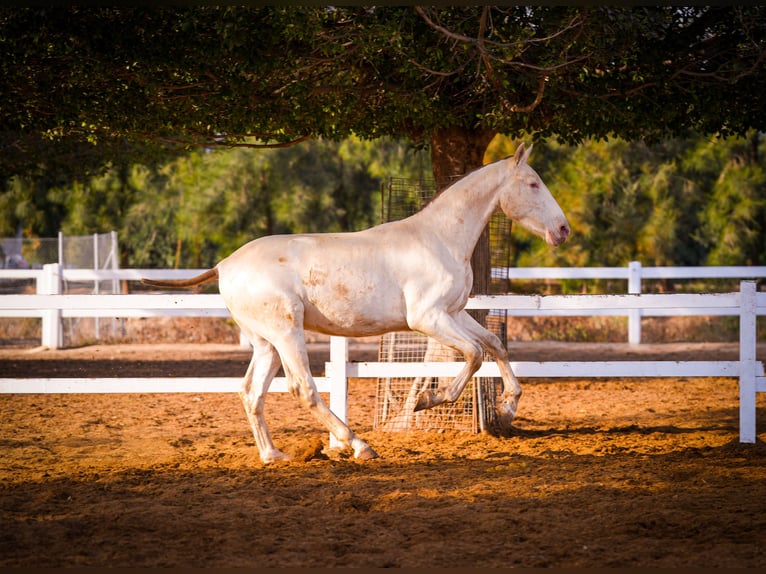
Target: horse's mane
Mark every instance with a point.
(457, 179)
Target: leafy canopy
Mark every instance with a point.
(82, 86)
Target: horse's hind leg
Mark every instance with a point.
(295, 359)
(263, 366)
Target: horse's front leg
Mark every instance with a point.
(450, 332)
(509, 400)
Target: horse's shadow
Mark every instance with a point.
(519, 432)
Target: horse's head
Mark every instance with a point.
(526, 200)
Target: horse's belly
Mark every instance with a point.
(341, 310)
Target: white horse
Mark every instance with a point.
(412, 274)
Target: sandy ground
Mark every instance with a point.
(597, 472)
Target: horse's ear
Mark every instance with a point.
(522, 154)
(527, 153)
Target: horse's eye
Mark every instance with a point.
(534, 185)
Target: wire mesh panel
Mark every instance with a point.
(97, 251)
(396, 397)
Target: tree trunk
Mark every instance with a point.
(454, 152)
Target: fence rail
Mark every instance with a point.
(747, 304)
(51, 280)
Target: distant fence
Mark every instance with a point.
(634, 274)
(95, 251)
(747, 304)
(23, 260)
(51, 280)
(52, 305)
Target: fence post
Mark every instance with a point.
(337, 372)
(634, 315)
(51, 327)
(747, 362)
(61, 247)
(114, 255)
(96, 284)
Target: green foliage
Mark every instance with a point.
(689, 201)
(685, 201)
(85, 87)
(735, 219)
(197, 208)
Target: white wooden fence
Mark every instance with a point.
(634, 274)
(51, 279)
(747, 304)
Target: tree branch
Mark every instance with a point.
(534, 104)
(218, 142)
(438, 28)
(487, 57)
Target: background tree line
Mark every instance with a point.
(697, 200)
(197, 207)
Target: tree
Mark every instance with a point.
(452, 77)
(734, 221)
(219, 75)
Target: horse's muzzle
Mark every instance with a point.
(559, 236)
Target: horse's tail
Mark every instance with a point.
(206, 277)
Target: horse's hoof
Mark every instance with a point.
(504, 419)
(425, 401)
(506, 410)
(366, 453)
(274, 456)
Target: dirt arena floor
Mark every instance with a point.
(597, 472)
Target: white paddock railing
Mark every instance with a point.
(50, 280)
(747, 304)
(634, 274)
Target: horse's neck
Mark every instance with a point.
(460, 213)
